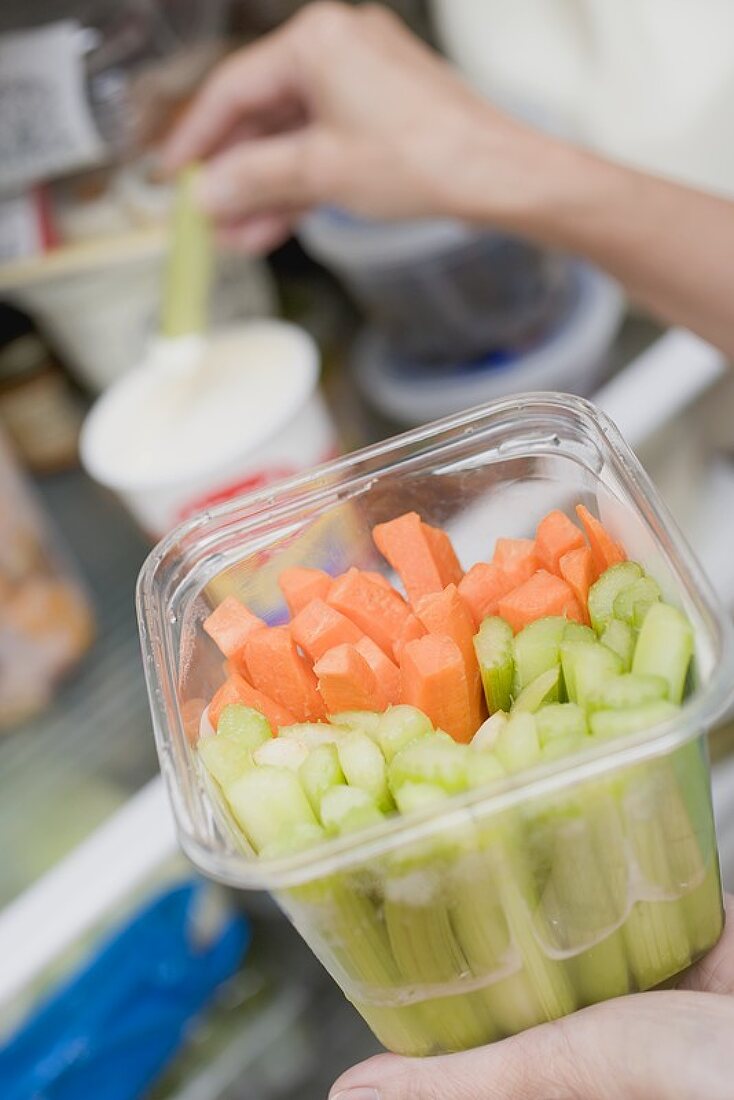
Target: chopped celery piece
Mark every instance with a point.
(487, 734)
(269, 803)
(365, 721)
(622, 692)
(665, 648)
(319, 772)
(493, 647)
(518, 746)
(364, 767)
(414, 797)
(586, 666)
(632, 604)
(349, 809)
(605, 590)
(619, 723)
(485, 769)
(657, 941)
(302, 837)
(536, 649)
(310, 734)
(245, 725)
(432, 759)
(621, 638)
(543, 689)
(563, 745)
(398, 726)
(560, 720)
(281, 754)
(577, 632)
(224, 760)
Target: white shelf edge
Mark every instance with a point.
(82, 889)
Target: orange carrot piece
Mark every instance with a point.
(276, 668)
(444, 555)
(482, 588)
(517, 558)
(347, 682)
(378, 578)
(319, 627)
(300, 585)
(411, 629)
(555, 536)
(231, 624)
(237, 690)
(434, 680)
(446, 613)
(544, 594)
(422, 556)
(379, 612)
(386, 671)
(606, 551)
(579, 571)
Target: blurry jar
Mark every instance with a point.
(45, 619)
(441, 290)
(37, 408)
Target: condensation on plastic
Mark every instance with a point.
(594, 875)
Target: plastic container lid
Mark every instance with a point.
(572, 357)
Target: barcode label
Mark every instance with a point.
(46, 127)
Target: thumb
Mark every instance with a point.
(646, 1047)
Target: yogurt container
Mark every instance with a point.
(203, 420)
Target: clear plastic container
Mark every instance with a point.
(587, 878)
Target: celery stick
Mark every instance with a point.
(224, 760)
(580, 906)
(319, 772)
(560, 721)
(348, 809)
(487, 734)
(415, 797)
(632, 604)
(432, 759)
(517, 745)
(577, 632)
(605, 590)
(365, 721)
(586, 667)
(543, 689)
(281, 754)
(493, 647)
(310, 734)
(657, 942)
(244, 725)
(364, 767)
(621, 638)
(621, 723)
(536, 649)
(398, 726)
(628, 690)
(665, 648)
(559, 747)
(485, 769)
(189, 263)
(268, 803)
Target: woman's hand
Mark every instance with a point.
(343, 105)
(677, 1045)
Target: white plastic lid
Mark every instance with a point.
(195, 404)
(571, 357)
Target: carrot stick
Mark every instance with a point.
(276, 668)
(434, 680)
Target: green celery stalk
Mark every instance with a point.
(189, 264)
(494, 650)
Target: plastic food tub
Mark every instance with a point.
(591, 877)
(441, 289)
